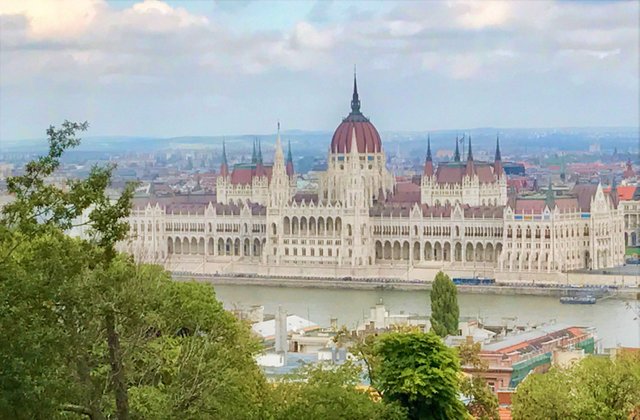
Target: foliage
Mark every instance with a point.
(328, 392)
(444, 306)
(420, 373)
(89, 332)
(483, 403)
(595, 388)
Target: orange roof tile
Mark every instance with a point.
(625, 192)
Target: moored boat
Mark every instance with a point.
(578, 300)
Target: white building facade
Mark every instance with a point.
(361, 222)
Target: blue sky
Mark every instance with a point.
(153, 68)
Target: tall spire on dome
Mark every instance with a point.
(355, 99)
(456, 155)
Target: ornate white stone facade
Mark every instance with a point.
(361, 222)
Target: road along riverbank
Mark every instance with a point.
(402, 285)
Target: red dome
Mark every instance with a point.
(367, 137)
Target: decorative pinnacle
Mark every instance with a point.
(456, 155)
(429, 158)
(289, 156)
(469, 152)
(224, 152)
(498, 155)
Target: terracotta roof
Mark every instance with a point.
(585, 193)
(367, 137)
(405, 192)
(537, 205)
(625, 192)
(453, 173)
(242, 174)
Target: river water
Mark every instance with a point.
(615, 320)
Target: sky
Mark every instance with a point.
(180, 68)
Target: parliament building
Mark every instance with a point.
(362, 222)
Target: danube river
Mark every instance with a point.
(615, 320)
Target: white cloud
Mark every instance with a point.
(53, 19)
(482, 14)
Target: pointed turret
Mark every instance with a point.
(471, 168)
(497, 164)
(279, 181)
(428, 163)
(259, 163)
(289, 161)
(456, 155)
(615, 198)
(550, 199)
(224, 166)
(254, 157)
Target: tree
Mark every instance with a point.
(87, 331)
(420, 373)
(594, 388)
(444, 306)
(483, 403)
(328, 392)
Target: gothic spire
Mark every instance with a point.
(355, 100)
(498, 155)
(224, 152)
(259, 158)
(550, 200)
(456, 155)
(254, 157)
(428, 164)
(469, 152)
(289, 164)
(224, 166)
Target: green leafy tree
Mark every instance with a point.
(483, 403)
(594, 388)
(328, 392)
(420, 373)
(88, 332)
(445, 312)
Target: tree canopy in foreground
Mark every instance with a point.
(595, 388)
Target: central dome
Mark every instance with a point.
(367, 137)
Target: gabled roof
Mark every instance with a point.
(454, 172)
(243, 174)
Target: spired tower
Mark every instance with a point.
(280, 190)
(356, 147)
